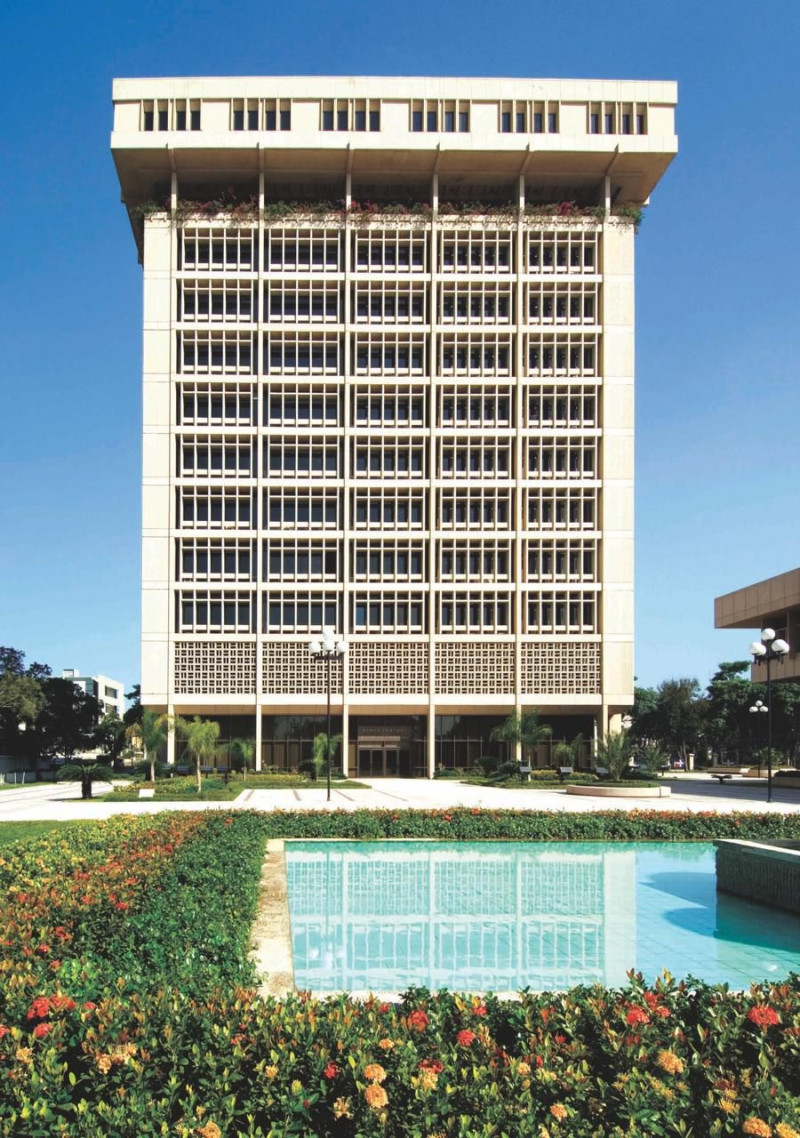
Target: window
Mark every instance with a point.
(463, 121)
(163, 118)
(449, 121)
(286, 118)
(505, 122)
(148, 119)
(520, 121)
(626, 124)
(374, 120)
(180, 120)
(552, 123)
(327, 120)
(194, 118)
(238, 120)
(270, 119)
(361, 120)
(594, 124)
(537, 122)
(341, 119)
(640, 124)
(432, 120)
(416, 121)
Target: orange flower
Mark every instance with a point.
(374, 1073)
(783, 1130)
(558, 1111)
(668, 1061)
(757, 1128)
(376, 1096)
(386, 1044)
(210, 1130)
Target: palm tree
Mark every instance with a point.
(150, 735)
(201, 741)
(86, 771)
(615, 751)
(567, 754)
(325, 748)
(242, 751)
(524, 731)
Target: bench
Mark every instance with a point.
(602, 772)
(722, 778)
(564, 772)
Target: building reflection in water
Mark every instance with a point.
(390, 915)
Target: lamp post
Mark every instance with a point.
(328, 649)
(758, 706)
(764, 651)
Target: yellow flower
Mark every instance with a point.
(756, 1127)
(523, 1068)
(727, 1105)
(296, 1087)
(558, 1111)
(103, 1063)
(270, 1072)
(376, 1096)
(386, 1044)
(342, 1108)
(670, 1062)
(428, 1080)
(783, 1130)
(24, 1055)
(374, 1073)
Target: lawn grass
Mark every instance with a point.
(22, 831)
(216, 789)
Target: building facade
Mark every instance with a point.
(110, 694)
(388, 388)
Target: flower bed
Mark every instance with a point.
(127, 1007)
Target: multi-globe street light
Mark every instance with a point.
(764, 651)
(326, 650)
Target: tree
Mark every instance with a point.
(325, 748)
(674, 719)
(87, 771)
(135, 711)
(614, 752)
(729, 696)
(22, 701)
(201, 737)
(568, 754)
(150, 734)
(110, 736)
(524, 732)
(68, 722)
(241, 753)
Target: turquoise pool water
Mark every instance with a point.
(383, 916)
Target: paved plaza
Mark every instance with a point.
(697, 792)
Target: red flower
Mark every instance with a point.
(763, 1017)
(122, 905)
(559, 1038)
(435, 1065)
(466, 1037)
(637, 1015)
(63, 1003)
(41, 1030)
(4, 1030)
(331, 1071)
(39, 1008)
(480, 1010)
(417, 1020)
(384, 1008)
(89, 1006)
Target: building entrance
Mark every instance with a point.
(384, 761)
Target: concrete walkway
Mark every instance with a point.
(697, 792)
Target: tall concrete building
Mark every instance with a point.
(388, 389)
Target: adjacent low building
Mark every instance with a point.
(773, 603)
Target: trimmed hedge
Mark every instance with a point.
(463, 823)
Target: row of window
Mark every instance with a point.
(448, 116)
(214, 561)
(207, 508)
(472, 407)
(236, 303)
(385, 459)
(200, 612)
(286, 354)
(479, 252)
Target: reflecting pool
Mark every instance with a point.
(500, 916)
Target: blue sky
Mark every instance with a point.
(718, 400)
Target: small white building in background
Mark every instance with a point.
(109, 693)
